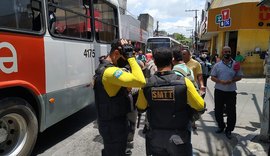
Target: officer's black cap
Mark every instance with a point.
(116, 44)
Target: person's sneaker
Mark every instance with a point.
(228, 134)
(219, 130)
(145, 129)
(128, 152)
(194, 127)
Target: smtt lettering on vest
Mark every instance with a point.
(163, 94)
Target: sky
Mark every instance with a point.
(171, 14)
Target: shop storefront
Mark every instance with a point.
(245, 27)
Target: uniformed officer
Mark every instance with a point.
(111, 96)
(168, 99)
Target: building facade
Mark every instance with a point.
(122, 6)
(243, 26)
(136, 30)
(131, 29)
(147, 23)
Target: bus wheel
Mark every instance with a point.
(18, 127)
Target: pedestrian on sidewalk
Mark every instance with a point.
(167, 98)
(150, 68)
(180, 68)
(112, 96)
(206, 66)
(239, 58)
(195, 66)
(140, 55)
(225, 74)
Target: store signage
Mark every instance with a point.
(264, 16)
(224, 19)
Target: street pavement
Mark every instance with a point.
(245, 139)
(245, 142)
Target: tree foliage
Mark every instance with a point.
(181, 38)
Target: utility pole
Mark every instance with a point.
(265, 125)
(191, 30)
(157, 29)
(196, 30)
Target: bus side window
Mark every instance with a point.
(36, 20)
(52, 19)
(106, 23)
(69, 19)
(23, 15)
(88, 20)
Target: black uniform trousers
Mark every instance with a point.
(229, 99)
(114, 133)
(160, 143)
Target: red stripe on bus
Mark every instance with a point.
(29, 57)
(19, 83)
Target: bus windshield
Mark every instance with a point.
(154, 45)
(157, 42)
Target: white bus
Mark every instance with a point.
(186, 47)
(49, 50)
(161, 41)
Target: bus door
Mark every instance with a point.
(70, 57)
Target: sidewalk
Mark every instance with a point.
(245, 139)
